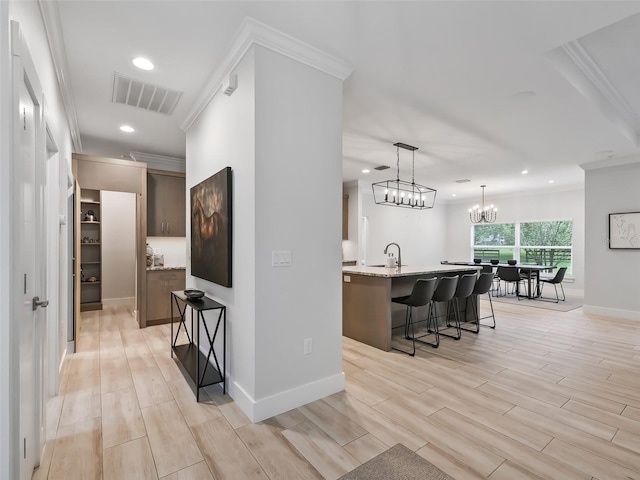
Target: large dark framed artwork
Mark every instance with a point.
(211, 228)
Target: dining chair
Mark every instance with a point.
(509, 275)
(555, 281)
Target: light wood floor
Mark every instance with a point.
(545, 395)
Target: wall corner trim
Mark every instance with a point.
(53, 28)
(253, 32)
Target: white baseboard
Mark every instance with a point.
(118, 302)
(611, 312)
(287, 400)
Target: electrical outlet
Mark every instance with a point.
(281, 258)
(308, 346)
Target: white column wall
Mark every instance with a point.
(523, 207)
(118, 210)
(612, 285)
(298, 209)
(223, 135)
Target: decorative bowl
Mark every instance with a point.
(512, 262)
(193, 294)
(495, 262)
(477, 260)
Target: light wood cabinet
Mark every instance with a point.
(166, 200)
(160, 283)
(90, 239)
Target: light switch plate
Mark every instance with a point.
(281, 258)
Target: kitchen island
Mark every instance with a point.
(368, 314)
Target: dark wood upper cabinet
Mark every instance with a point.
(166, 197)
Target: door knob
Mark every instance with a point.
(36, 302)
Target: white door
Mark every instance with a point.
(32, 253)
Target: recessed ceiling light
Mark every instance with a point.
(551, 181)
(453, 195)
(366, 170)
(143, 63)
(524, 172)
(127, 129)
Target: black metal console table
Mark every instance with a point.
(198, 365)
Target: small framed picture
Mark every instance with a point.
(624, 230)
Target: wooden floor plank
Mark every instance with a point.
(329, 459)
(121, 418)
(172, 443)
(226, 455)
(588, 462)
(131, 460)
(277, 457)
(332, 422)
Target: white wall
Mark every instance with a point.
(223, 135)
(118, 223)
(551, 205)
(612, 285)
(282, 123)
(298, 136)
(32, 29)
(174, 250)
(420, 233)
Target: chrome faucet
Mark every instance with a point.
(399, 254)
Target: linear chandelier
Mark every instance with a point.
(401, 193)
(482, 214)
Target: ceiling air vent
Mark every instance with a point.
(135, 93)
(381, 167)
(464, 180)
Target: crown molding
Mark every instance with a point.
(51, 19)
(611, 162)
(586, 76)
(159, 162)
(253, 32)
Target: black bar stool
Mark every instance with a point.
(444, 293)
(421, 295)
(483, 285)
(464, 287)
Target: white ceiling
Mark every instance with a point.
(446, 77)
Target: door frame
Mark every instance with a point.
(118, 175)
(22, 66)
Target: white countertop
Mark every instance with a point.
(406, 270)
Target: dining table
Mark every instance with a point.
(532, 272)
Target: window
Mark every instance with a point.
(544, 243)
(494, 241)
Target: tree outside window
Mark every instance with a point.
(542, 243)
